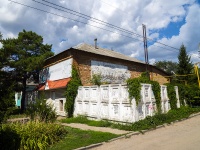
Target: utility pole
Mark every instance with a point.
(145, 50)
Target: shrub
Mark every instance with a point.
(96, 79)
(34, 135)
(134, 88)
(41, 111)
(9, 139)
(172, 96)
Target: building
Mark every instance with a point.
(31, 94)
(113, 67)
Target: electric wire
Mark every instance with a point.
(83, 22)
(73, 20)
(73, 12)
(119, 28)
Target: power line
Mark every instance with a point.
(164, 48)
(73, 19)
(140, 35)
(73, 12)
(119, 28)
(81, 22)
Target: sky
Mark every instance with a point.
(116, 24)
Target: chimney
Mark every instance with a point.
(95, 43)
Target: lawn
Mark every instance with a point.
(76, 138)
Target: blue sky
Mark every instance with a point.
(170, 23)
(171, 29)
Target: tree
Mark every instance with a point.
(167, 66)
(71, 91)
(7, 101)
(184, 65)
(24, 57)
(1, 36)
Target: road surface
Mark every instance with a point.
(184, 135)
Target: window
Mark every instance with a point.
(61, 105)
(53, 95)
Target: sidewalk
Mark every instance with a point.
(101, 129)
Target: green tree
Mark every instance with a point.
(24, 57)
(71, 92)
(184, 64)
(167, 66)
(1, 36)
(7, 101)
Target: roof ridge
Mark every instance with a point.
(110, 53)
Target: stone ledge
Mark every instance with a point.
(120, 137)
(89, 146)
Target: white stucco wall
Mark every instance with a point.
(58, 71)
(177, 97)
(57, 99)
(112, 102)
(165, 105)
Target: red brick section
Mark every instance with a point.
(83, 60)
(56, 84)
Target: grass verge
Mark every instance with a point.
(147, 123)
(78, 138)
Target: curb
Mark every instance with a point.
(128, 135)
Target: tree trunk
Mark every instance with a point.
(23, 93)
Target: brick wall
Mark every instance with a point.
(83, 61)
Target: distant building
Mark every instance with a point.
(113, 67)
(31, 94)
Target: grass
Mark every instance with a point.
(17, 116)
(147, 123)
(78, 138)
(84, 120)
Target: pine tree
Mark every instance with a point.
(7, 101)
(24, 57)
(184, 64)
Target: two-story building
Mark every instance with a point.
(113, 67)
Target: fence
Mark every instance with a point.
(111, 102)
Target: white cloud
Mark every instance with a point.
(152, 61)
(129, 14)
(189, 34)
(195, 57)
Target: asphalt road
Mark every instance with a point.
(184, 135)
